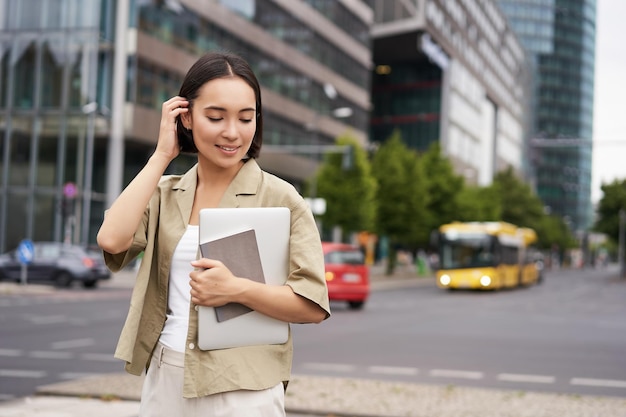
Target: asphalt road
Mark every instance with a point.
(57, 335)
(565, 335)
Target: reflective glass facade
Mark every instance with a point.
(196, 35)
(407, 99)
(56, 70)
(53, 92)
(451, 72)
(560, 36)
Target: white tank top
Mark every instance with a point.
(174, 333)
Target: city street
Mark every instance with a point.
(565, 335)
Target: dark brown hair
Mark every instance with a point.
(209, 67)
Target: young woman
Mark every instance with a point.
(218, 115)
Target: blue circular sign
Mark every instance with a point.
(26, 251)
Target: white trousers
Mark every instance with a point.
(162, 394)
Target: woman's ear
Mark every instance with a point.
(185, 118)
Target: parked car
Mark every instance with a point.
(347, 275)
(58, 263)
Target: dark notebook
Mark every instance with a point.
(240, 254)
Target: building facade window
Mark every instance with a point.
(56, 60)
(298, 35)
(408, 99)
(272, 73)
(337, 13)
(561, 38)
(48, 66)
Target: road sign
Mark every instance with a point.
(25, 251)
(25, 254)
(70, 190)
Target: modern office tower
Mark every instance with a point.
(451, 72)
(559, 37)
(80, 97)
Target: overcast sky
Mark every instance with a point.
(609, 152)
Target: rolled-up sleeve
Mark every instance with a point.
(306, 264)
(116, 262)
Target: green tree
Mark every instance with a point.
(480, 204)
(613, 200)
(401, 197)
(349, 191)
(520, 205)
(443, 187)
(552, 231)
(418, 223)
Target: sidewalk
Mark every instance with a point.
(118, 394)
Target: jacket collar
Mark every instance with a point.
(246, 182)
(185, 189)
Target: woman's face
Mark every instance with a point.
(223, 121)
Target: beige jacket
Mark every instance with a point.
(163, 224)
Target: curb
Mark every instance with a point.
(12, 288)
(349, 397)
(126, 279)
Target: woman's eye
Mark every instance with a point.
(245, 120)
(214, 119)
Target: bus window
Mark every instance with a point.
(466, 253)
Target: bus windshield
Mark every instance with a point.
(466, 251)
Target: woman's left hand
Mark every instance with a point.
(213, 284)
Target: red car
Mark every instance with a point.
(347, 276)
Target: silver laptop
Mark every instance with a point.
(252, 242)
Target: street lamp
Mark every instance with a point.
(342, 112)
(90, 111)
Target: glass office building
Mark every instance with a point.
(57, 104)
(559, 36)
(451, 72)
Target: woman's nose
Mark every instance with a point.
(230, 131)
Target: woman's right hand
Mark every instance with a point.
(123, 217)
(167, 144)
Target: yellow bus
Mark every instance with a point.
(486, 256)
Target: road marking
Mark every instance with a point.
(21, 373)
(69, 344)
(11, 352)
(591, 382)
(452, 373)
(393, 370)
(77, 375)
(49, 354)
(104, 357)
(330, 367)
(535, 379)
(48, 319)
